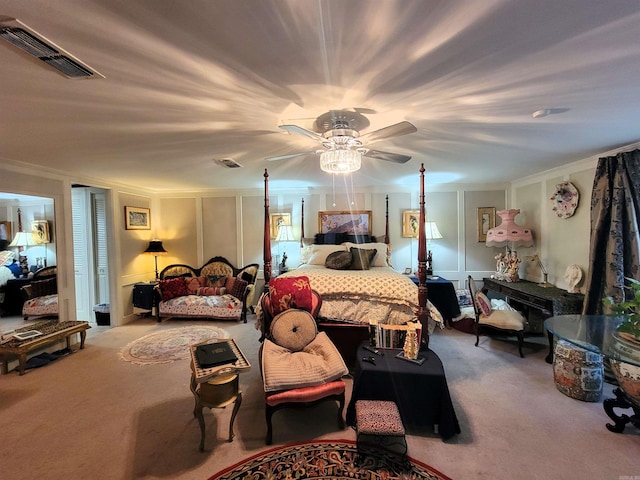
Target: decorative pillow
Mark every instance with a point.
(247, 277)
(318, 363)
(40, 288)
(319, 253)
(293, 329)
(362, 258)
(483, 303)
(228, 283)
(290, 292)
(172, 288)
(211, 291)
(464, 297)
(379, 260)
(339, 260)
(239, 286)
(6, 257)
(196, 283)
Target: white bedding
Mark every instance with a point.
(377, 295)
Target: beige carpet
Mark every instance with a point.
(91, 415)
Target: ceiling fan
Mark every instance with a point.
(338, 131)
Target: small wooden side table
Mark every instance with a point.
(217, 387)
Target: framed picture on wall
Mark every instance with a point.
(40, 231)
(278, 219)
(486, 221)
(355, 222)
(410, 223)
(136, 218)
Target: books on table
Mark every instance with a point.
(215, 354)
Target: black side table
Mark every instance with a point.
(143, 297)
(420, 391)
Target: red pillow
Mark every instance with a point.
(195, 283)
(239, 286)
(175, 287)
(211, 291)
(290, 292)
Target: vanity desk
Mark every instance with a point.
(549, 301)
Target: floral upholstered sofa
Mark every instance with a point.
(216, 290)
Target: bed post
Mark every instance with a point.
(386, 227)
(302, 227)
(266, 253)
(423, 313)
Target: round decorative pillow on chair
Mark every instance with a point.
(293, 329)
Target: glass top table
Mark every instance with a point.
(595, 333)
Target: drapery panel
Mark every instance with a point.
(614, 251)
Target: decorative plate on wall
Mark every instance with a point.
(565, 199)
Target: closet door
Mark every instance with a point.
(82, 240)
(100, 247)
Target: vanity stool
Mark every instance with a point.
(380, 421)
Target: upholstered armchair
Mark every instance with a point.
(299, 365)
(506, 321)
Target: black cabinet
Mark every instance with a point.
(143, 297)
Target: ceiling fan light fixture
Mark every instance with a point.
(340, 160)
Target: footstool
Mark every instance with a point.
(380, 421)
(578, 373)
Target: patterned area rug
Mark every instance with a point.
(168, 345)
(329, 459)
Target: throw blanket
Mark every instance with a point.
(377, 295)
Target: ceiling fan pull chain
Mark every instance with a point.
(333, 183)
(353, 193)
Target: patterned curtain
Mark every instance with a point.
(614, 251)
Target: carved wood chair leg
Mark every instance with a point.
(341, 424)
(268, 411)
(520, 342)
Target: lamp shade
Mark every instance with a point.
(23, 239)
(285, 234)
(431, 231)
(155, 248)
(509, 233)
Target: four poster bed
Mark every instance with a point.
(354, 298)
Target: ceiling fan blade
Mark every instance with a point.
(292, 155)
(304, 132)
(387, 157)
(395, 130)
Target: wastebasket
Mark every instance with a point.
(102, 314)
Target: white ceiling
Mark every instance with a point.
(186, 82)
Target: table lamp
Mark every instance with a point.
(155, 248)
(285, 234)
(508, 234)
(431, 232)
(21, 240)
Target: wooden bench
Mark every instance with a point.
(52, 331)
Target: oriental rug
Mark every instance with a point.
(168, 345)
(329, 459)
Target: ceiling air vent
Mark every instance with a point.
(227, 162)
(28, 40)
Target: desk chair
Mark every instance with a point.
(504, 321)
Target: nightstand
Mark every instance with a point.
(143, 298)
